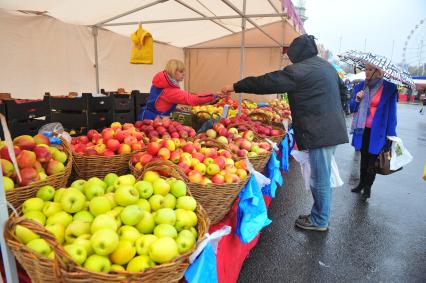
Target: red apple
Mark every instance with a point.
(41, 139)
(91, 133)
(112, 144)
(248, 135)
(175, 157)
(198, 156)
(153, 148)
(137, 146)
(185, 167)
(189, 147)
(100, 148)
(218, 179)
(275, 132)
(24, 142)
(115, 125)
(109, 153)
(164, 153)
(169, 144)
(220, 161)
(223, 132)
(29, 175)
(130, 140)
(124, 149)
(4, 153)
(145, 158)
(26, 159)
(195, 177)
(7, 168)
(107, 134)
(42, 154)
(246, 145)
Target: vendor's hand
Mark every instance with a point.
(359, 96)
(222, 95)
(226, 90)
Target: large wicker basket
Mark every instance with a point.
(64, 269)
(264, 118)
(259, 162)
(18, 195)
(86, 167)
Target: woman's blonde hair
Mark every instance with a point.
(174, 65)
(377, 74)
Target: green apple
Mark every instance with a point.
(126, 195)
(40, 246)
(110, 179)
(60, 156)
(147, 224)
(124, 252)
(111, 198)
(51, 208)
(194, 232)
(165, 230)
(131, 215)
(125, 180)
(185, 241)
(193, 218)
(144, 204)
(43, 176)
(144, 188)
(93, 189)
(78, 184)
(163, 250)
(76, 229)
(156, 202)
(161, 187)
(32, 204)
(104, 241)
(84, 215)
(139, 263)
(151, 176)
(73, 200)
(116, 214)
(103, 221)
(46, 193)
(36, 216)
(169, 201)
(24, 234)
(117, 267)
(58, 194)
(143, 243)
(51, 255)
(128, 233)
(84, 241)
(183, 220)
(110, 189)
(165, 216)
(99, 205)
(77, 253)
(170, 181)
(95, 181)
(97, 263)
(60, 217)
(186, 202)
(58, 230)
(178, 188)
(8, 183)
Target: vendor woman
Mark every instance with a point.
(165, 92)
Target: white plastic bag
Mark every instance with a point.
(261, 179)
(213, 238)
(399, 154)
(303, 158)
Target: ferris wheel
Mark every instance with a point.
(414, 51)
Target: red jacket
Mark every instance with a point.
(172, 94)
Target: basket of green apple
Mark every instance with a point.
(39, 164)
(118, 229)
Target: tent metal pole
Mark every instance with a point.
(204, 15)
(246, 46)
(197, 19)
(95, 40)
(131, 12)
(242, 53)
(276, 10)
(230, 5)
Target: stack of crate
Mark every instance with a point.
(140, 101)
(123, 108)
(25, 117)
(79, 114)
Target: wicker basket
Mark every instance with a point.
(63, 269)
(86, 167)
(259, 162)
(18, 195)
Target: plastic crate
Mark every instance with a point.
(99, 120)
(23, 110)
(124, 117)
(123, 102)
(68, 104)
(98, 103)
(29, 127)
(70, 120)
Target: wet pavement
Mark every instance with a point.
(381, 240)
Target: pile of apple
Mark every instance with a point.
(239, 142)
(281, 108)
(115, 223)
(36, 160)
(257, 126)
(202, 165)
(117, 139)
(164, 128)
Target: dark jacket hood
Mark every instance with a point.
(303, 47)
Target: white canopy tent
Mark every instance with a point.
(174, 24)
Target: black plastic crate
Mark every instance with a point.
(98, 103)
(70, 120)
(124, 117)
(23, 111)
(68, 104)
(29, 127)
(140, 98)
(99, 120)
(123, 102)
(2, 111)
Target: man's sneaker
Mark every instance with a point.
(305, 223)
(303, 216)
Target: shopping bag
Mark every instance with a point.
(284, 149)
(336, 181)
(424, 173)
(400, 156)
(274, 174)
(303, 158)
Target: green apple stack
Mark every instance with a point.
(116, 223)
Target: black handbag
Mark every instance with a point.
(383, 163)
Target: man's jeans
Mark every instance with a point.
(320, 161)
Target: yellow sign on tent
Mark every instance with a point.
(143, 47)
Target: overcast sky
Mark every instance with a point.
(379, 22)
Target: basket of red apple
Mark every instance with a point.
(39, 164)
(116, 229)
(164, 128)
(96, 154)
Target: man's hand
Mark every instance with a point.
(359, 96)
(226, 90)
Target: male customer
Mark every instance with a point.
(314, 90)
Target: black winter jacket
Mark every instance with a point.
(314, 90)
